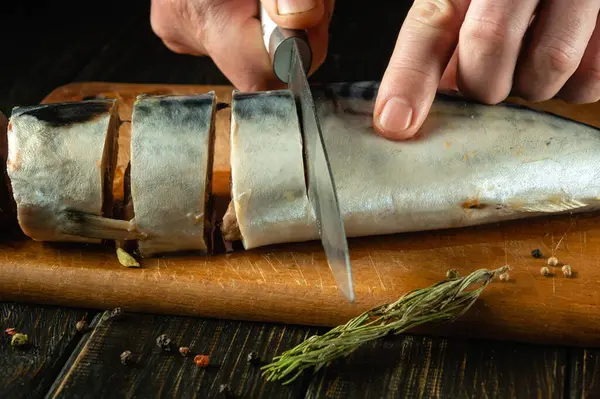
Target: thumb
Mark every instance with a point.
(312, 15)
(295, 14)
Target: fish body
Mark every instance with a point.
(170, 171)
(268, 189)
(58, 163)
(470, 164)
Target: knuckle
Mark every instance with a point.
(435, 14)
(164, 19)
(405, 73)
(486, 37)
(559, 55)
(592, 74)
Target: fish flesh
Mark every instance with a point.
(7, 206)
(59, 166)
(267, 171)
(170, 171)
(470, 164)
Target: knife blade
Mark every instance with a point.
(291, 57)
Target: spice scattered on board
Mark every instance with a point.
(126, 357)
(544, 271)
(164, 342)
(10, 331)
(537, 253)
(126, 259)
(184, 350)
(224, 390)
(253, 358)
(452, 274)
(567, 271)
(504, 276)
(116, 313)
(81, 326)
(201, 360)
(19, 340)
(552, 261)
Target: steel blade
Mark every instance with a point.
(321, 188)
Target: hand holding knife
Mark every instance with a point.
(291, 57)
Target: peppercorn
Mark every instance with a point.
(10, 331)
(224, 390)
(19, 340)
(201, 360)
(552, 261)
(545, 271)
(81, 326)
(253, 358)
(452, 274)
(116, 313)
(567, 271)
(537, 253)
(184, 350)
(164, 343)
(504, 276)
(126, 357)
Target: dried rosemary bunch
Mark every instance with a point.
(443, 301)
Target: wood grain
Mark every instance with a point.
(422, 367)
(96, 362)
(292, 283)
(584, 379)
(29, 372)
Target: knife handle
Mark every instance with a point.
(280, 42)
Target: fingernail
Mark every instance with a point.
(396, 116)
(295, 6)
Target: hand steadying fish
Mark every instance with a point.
(487, 49)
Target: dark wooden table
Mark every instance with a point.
(47, 44)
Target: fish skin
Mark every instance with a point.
(470, 164)
(57, 157)
(170, 171)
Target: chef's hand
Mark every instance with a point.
(229, 32)
(488, 50)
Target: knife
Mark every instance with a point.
(291, 57)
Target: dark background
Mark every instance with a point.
(51, 43)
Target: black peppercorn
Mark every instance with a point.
(126, 357)
(253, 358)
(81, 326)
(537, 253)
(115, 314)
(224, 390)
(164, 343)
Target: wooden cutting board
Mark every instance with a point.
(292, 283)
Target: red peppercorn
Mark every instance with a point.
(201, 360)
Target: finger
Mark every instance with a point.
(175, 32)
(584, 86)
(295, 14)
(489, 43)
(425, 44)
(317, 29)
(560, 34)
(318, 38)
(448, 80)
(233, 39)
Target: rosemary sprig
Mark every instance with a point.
(442, 301)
